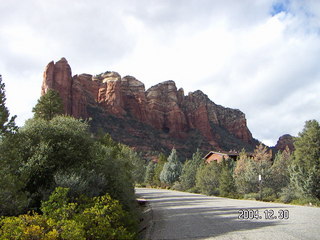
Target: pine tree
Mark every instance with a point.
(150, 173)
(48, 106)
(158, 169)
(189, 171)
(305, 174)
(226, 182)
(172, 169)
(6, 125)
(207, 178)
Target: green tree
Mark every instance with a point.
(6, 125)
(49, 105)
(262, 162)
(280, 171)
(248, 169)
(62, 144)
(12, 198)
(138, 164)
(227, 186)
(241, 171)
(207, 178)
(162, 159)
(149, 176)
(189, 171)
(172, 169)
(305, 173)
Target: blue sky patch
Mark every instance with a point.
(279, 7)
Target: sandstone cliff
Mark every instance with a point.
(285, 141)
(155, 119)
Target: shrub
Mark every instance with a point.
(251, 196)
(95, 218)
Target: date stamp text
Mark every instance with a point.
(267, 214)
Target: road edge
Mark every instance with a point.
(146, 221)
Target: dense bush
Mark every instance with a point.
(92, 218)
(46, 154)
(45, 148)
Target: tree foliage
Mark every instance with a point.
(162, 159)
(227, 187)
(241, 171)
(207, 178)
(61, 152)
(149, 176)
(49, 105)
(280, 171)
(305, 174)
(94, 218)
(172, 169)
(189, 171)
(7, 124)
(248, 169)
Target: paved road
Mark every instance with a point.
(179, 215)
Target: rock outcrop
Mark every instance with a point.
(154, 119)
(285, 141)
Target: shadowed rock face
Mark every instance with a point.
(159, 118)
(285, 141)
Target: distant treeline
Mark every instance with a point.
(290, 177)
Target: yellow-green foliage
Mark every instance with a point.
(95, 218)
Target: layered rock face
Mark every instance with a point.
(162, 107)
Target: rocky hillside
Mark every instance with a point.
(151, 120)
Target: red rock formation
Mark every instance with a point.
(134, 98)
(285, 141)
(58, 77)
(164, 110)
(162, 107)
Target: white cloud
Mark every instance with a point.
(242, 54)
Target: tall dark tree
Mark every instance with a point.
(227, 185)
(306, 167)
(189, 171)
(6, 125)
(48, 106)
(150, 173)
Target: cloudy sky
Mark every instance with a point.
(259, 56)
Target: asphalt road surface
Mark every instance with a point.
(179, 215)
